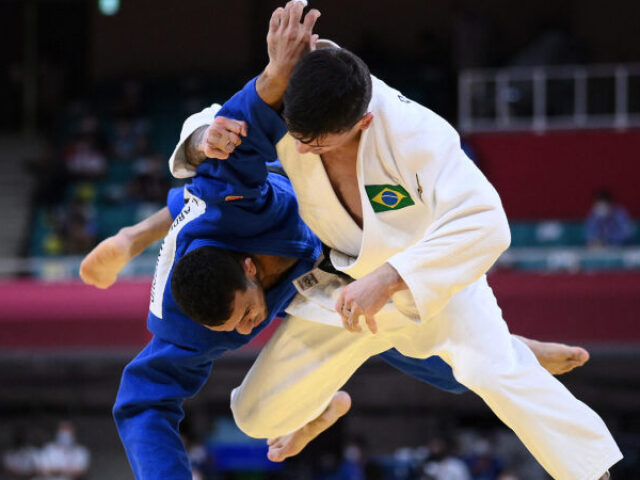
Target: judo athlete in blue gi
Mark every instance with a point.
(239, 206)
(383, 182)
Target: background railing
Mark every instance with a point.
(544, 259)
(66, 267)
(549, 97)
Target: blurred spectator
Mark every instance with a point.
(129, 102)
(508, 475)
(150, 183)
(442, 464)
(64, 459)
(356, 464)
(199, 459)
(607, 224)
(482, 462)
(51, 176)
(79, 229)
(129, 139)
(83, 157)
(20, 461)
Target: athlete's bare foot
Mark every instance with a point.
(102, 265)
(287, 446)
(557, 358)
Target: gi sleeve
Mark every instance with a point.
(266, 128)
(175, 201)
(468, 230)
(178, 161)
(148, 408)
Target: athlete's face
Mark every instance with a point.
(323, 144)
(332, 141)
(249, 310)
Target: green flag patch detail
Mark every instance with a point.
(388, 197)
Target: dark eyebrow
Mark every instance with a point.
(307, 142)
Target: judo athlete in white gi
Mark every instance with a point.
(411, 218)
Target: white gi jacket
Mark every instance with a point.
(446, 231)
(431, 214)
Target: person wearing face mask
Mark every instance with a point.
(608, 224)
(64, 458)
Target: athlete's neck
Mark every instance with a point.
(271, 269)
(346, 153)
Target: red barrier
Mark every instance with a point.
(75, 316)
(554, 175)
(592, 308)
(589, 308)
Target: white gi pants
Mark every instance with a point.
(305, 363)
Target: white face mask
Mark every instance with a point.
(353, 453)
(602, 209)
(65, 437)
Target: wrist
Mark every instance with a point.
(128, 238)
(392, 279)
(195, 147)
(276, 76)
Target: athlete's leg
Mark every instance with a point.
(568, 439)
(556, 358)
(305, 363)
(296, 375)
(281, 448)
(432, 370)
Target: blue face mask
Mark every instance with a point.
(65, 437)
(602, 209)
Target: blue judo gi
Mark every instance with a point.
(238, 205)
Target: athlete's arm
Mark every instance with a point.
(206, 136)
(217, 140)
(148, 408)
(288, 41)
(101, 266)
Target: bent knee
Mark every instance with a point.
(254, 418)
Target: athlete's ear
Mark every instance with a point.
(249, 267)
(365, 121)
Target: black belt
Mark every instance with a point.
(326, 266)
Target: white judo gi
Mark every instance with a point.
(431, 214)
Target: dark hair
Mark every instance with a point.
(204, 284)
(604, 195)
(328, 92)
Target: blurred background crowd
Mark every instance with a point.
(93, 94)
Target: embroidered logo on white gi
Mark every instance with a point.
(388, 197)
(193, 208)
(307, 281)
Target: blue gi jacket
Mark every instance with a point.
(234, 204)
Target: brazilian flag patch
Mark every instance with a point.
(388, 197)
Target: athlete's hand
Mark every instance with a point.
(220, 139)
(102, 265)
(289, 38)
(366, 297)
